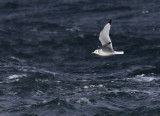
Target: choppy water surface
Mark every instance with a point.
(46, 65)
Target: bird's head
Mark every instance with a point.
(95, 52)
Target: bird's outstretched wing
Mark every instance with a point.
(104, 37)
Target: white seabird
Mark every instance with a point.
(106, 49)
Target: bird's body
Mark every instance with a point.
(103, 53)
(106, 49)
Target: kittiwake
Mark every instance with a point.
(106, 49)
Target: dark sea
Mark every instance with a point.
(46, 65)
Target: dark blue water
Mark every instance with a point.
(46, 65)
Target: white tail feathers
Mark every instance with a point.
(118, 52)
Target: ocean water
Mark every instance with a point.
(46, 65)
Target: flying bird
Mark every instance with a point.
(106, 49)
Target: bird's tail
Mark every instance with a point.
(119, 52)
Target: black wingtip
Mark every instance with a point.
(110, 21)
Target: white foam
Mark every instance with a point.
(73, 29)
(16, 76)
(85, 87)
(145, 11)
(143, 78)
(93, 86)
(83, 100)
(100, 85)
